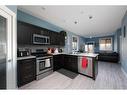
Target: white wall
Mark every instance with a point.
(124, 45)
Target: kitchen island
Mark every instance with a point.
(92, 66)
(73, 62)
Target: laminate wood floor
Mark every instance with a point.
(109, 76)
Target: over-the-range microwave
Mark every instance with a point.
(40, 39)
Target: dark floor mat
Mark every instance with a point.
(68, 73)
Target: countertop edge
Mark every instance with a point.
(26, 57)
(85, 54)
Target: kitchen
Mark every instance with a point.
(52, 50)
(35, 53)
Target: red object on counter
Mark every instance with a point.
(84, 62)
(53, 50)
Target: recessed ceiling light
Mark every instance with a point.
(43, 8)
(90, 17)
(75, 22)
(82, 12)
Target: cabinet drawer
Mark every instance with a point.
(27, 79)
(26, 71)
(28, 68)
(29, 60)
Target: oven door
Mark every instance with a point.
(41, 66)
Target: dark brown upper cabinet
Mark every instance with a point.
(54, 38)
(62, 38)
(25, 33)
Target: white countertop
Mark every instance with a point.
(58, 53)
(79, 54)
(86, 54)
(25, 57)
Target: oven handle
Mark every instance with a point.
(40, 60)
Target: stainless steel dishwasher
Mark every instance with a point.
(88, 71)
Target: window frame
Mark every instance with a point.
(93, 42)
(104, 39)
(77, 42)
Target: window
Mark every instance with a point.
(105, 44)
(75, 43)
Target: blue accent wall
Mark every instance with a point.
(117, 40)
(68, 43)
(13, 8)
(124, 44)
(22, 16)
(96, 41)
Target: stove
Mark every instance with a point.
(44, 64)
(40, 54)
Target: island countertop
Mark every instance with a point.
(86, 54)
(80, 54)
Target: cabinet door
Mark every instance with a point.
(26, 71)
(45, 32)
(66, 61)
(22, 34)
(74, 63)
(71, 63)
(57, 39)
(62, 40)
(54, 38)
(57, 62)
(25, 33)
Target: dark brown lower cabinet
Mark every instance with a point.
(58, 62)
(71, 63)
(68, 62)
(26, 71)
(95, 67)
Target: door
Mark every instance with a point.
(6, 76)
(89, 47)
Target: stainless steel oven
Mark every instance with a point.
(44, 66)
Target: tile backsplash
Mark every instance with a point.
(34, 47)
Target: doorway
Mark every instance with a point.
(89, 47)
(7, 49)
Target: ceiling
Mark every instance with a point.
(87, 21)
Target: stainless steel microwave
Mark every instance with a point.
(40, 39)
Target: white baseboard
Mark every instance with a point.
(124, 72)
